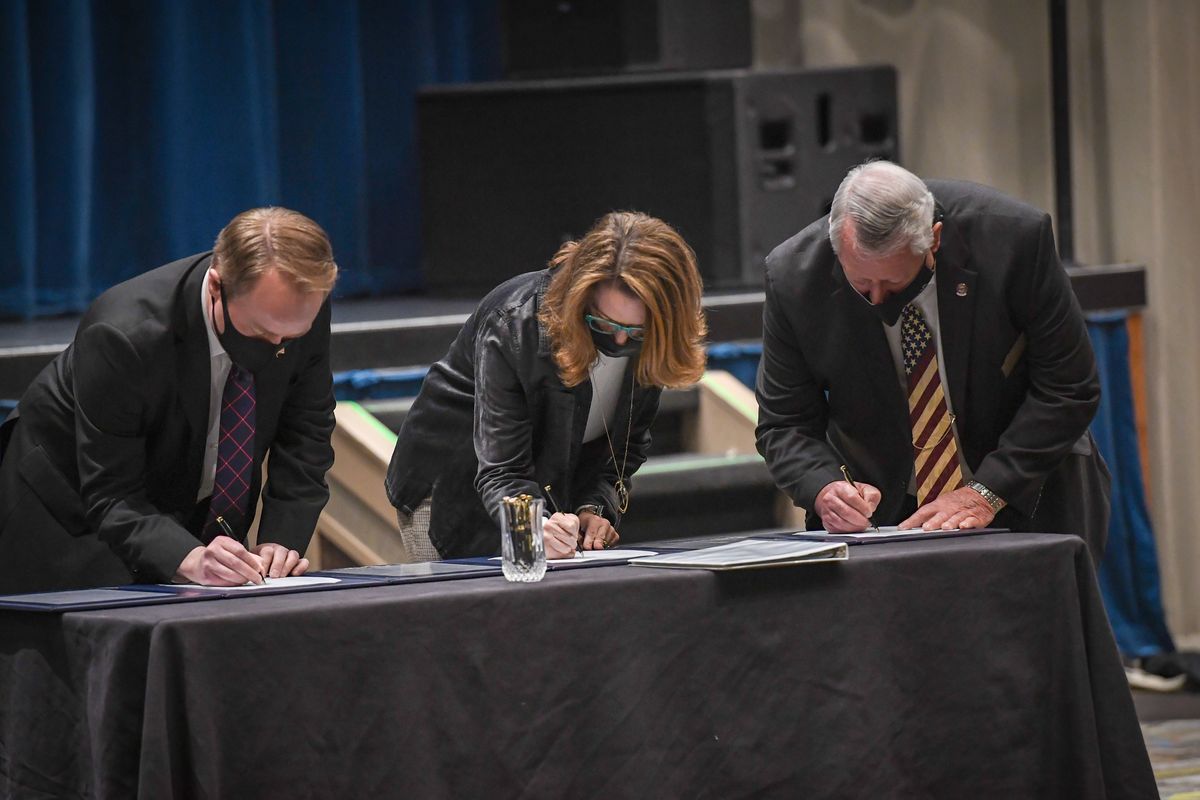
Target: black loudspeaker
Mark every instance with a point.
(737, 161)
(548, 38)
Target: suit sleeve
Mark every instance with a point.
(1064, 390)
(110, 396)
(793, 413)
(603, 490)
(301, 454)
(503, 429)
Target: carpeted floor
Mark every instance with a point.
(1174, 747)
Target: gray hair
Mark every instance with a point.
(887, 208)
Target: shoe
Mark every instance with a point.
(1139, 678)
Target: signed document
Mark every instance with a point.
(750, 554)
(290, 582)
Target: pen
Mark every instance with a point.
(849, 480)
(557, 510)
(229, 532)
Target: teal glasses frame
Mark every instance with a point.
(605, 325)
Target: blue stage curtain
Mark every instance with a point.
(1128, 572)
(132, 130)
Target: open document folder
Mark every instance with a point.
(750, 554)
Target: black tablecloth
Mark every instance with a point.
(975, 667)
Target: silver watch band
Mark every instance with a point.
(994, 500)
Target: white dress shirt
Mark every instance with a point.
(219, 364)
(607, 373)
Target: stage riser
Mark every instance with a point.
(732, 317)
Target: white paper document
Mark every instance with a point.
(591, 556)
(884, 530)
(290, 582)
(583, 557)
(750, 554)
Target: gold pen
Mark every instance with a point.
(550, 497)
(849, 480)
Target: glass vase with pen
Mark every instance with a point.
(522, 549)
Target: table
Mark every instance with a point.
(973, 667)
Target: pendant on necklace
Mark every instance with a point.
(622, 496)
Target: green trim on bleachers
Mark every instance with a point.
(371, 419)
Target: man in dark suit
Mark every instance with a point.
(136, 455)
(925, 363)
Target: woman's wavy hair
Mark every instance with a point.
(649, 259)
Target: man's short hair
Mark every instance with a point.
(276, 238)
(883, 208)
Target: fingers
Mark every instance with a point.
(957, 510)
(843, 516)
(564, 528)
(557, 545)
(595, 539)
(918, 518)
(843, 509)
(600, 534)
(556, 528)
(236, 558)
(273, 558)
(568, 522)
(279, 560)
(871, 495)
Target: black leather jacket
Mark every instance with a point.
(525, 431)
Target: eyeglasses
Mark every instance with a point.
(603, 325)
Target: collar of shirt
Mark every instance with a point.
(214, 344)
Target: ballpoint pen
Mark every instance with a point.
(557, 510)
(849, 480)
(229, 532)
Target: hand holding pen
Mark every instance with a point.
(846, 506)
(560, 532)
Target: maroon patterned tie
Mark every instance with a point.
(235, 458)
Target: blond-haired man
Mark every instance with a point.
(136, 454)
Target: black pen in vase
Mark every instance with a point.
(849, 480)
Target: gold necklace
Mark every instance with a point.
(622, 491)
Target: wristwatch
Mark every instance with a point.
(593, 508)
(994, 500)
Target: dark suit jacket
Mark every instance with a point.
(1020, 368)
(98, 483)
(494, 419)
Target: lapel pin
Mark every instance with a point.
(961, 290)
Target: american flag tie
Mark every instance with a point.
(935, 454)
(235, 458)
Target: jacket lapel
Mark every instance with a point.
(866, 340)
(956, 292)
(193, 364)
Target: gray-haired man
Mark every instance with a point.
(925, 363)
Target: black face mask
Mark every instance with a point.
(607, 345)
(889, 310)
(249, 354)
